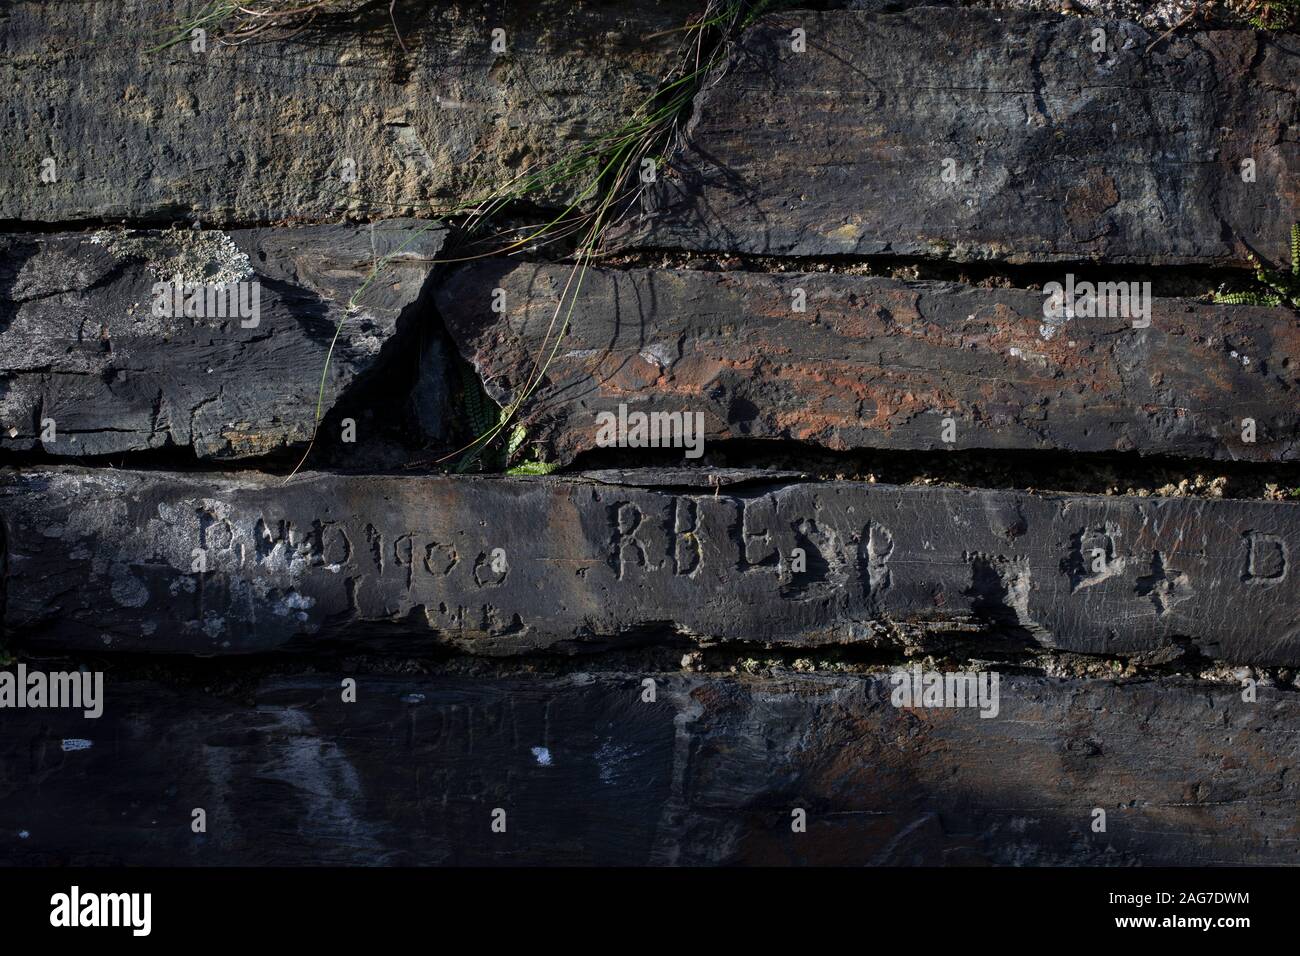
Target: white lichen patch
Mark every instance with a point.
(179, 584)
(365, 340)
(660, 354)
(295, 605)
(1152, 14)
(1050, 326)
(128, 590)
(192, 255)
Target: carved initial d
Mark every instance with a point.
(1266, 559)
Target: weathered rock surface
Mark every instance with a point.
(879, 363)
(82, 346)
(1057, 152)
(205, 564)
(710, 772)
(268, 130)
(957, 133)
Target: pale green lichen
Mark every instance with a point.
(193, 255)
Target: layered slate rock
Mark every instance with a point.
(95, 358)
(354, 116)
(983, 134)
(586, 771)
(205, 564)
(848, 362)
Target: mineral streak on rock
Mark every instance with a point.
(340, 120)
(588, 772)
(205, 564)
(880, 363)
(990, 134)
(89, 366)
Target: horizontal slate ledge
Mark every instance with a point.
(1059, 152)
(345, 119)
(708, 773)
(204, 564)
(878, 362)
(80, 344)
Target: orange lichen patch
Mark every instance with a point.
(627, 372)
(254, 443)
(699, 371)
(898, 315)
(874, 408)
(1088, 201)
(825, 383)
(819, 428)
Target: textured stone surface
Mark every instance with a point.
(80, 344)
(708, 773)
(106, 559)
(1060, 152)
(450, 600)
(879, 363)
(257, 133)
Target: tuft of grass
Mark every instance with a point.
(603, 179)
(240, 22)
(1273, 287)
(208, 18)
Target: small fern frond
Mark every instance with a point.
(534, 468)
(481, 412)
(518, 435)
(1245, 298)
(481, 416)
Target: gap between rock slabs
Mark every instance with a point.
(1036, 471)
(674, 655)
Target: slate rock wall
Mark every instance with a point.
(320, 623)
